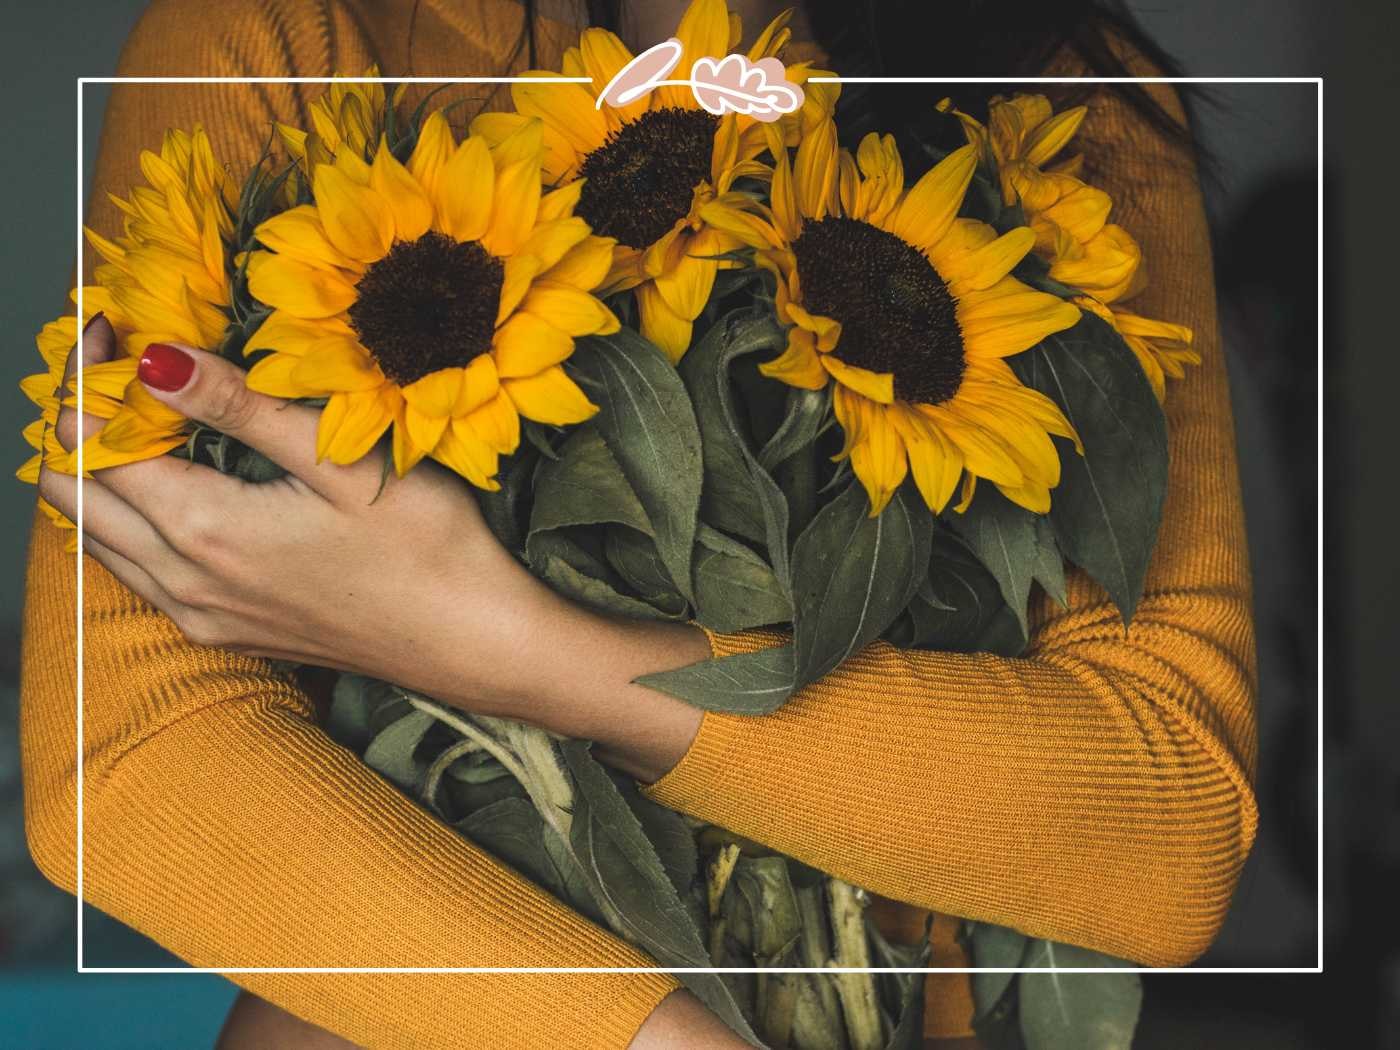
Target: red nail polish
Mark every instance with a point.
(165, 367)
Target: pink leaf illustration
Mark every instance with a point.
(759, 89)
(642, 74)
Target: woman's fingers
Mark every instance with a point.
(107, 518)
(205, 387)
(97, 344)
(131, 574)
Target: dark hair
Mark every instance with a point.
(959, 38)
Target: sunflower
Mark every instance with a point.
(650, 167)
(1070, 219)
(910, 312)
(349, 115)
(163, 280)
(441, 297)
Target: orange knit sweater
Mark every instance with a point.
(1096, 790)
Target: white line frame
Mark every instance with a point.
(81, 200)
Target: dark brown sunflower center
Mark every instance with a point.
(896, 313)
(642, 179)
(428, 304)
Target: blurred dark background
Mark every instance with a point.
(1262, 199)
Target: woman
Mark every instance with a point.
(1095, 791)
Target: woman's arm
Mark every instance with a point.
(1097, 790)
(218, 818)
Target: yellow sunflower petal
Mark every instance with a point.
(1010, 317)
(585, 266)
(603, 55)
(480, 382)
(876, 450)
(933, 202)
(356, 219)
(686, 285)
(431, 153)
(662, 325)
(877, 386)
(798, 365)
(934, 461)
(984, 451)
(983, 266)
(703, 31)
(527, 344)
(550, 241)
(407, 454)
(462, 450)
(424, 431)
(814, 171)
(337, 365)
(514, 208)
(351, 424)
(302, 291)
(298, 234)
(567, 109)
(273, 376)
(560, 203)
(1035, 498)
(568, 309)
(497, 423)
(465, 190)
(1053, 135)
(289, 334)
(550, 397)
(407, 200)
(436, 393)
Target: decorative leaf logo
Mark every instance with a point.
(731, 84)
(645, 72)
(758, 89)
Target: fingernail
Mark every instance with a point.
(165, 367)
(91, 319)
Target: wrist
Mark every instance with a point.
(591, 693)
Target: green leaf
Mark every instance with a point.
(647, 421)
(353, 703)
(668, 833)
(1108, 505)
(734, 587)
(631, 885)
(808, 414)
(1049, 562)
(1068, 1011)
(585, 486)
(993, 946)
(1003, 537)
(513, 831)
(391, 753)
(853, 575)
(560, 558)
(507, 510)
(739, 495)
(743, 684)
(633, 556)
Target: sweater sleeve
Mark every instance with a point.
(1096, 790)
(218, 818)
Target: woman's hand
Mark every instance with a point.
(337, 566)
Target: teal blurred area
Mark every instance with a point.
(44, 1003)
(56, 1010)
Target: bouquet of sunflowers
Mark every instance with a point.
(701, 363)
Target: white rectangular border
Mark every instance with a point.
(81, 200)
